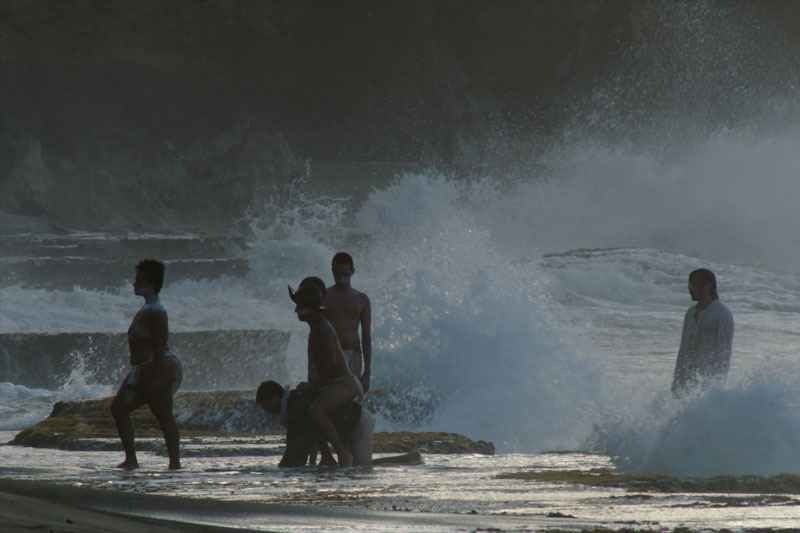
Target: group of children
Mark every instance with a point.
(324, 409)
(327, 407)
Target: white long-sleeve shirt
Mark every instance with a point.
(706, 344)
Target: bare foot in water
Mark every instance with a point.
(128, 465)
(345, 460)
(329, 461)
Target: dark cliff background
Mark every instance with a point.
(151, 114)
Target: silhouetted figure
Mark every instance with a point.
(328, 373)
(353, 423)
(349, 309)
(704, 356)
(156, 373)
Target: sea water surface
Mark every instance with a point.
(446, 493)
(524, 320)
(537, 306)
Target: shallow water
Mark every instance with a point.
(437, 495)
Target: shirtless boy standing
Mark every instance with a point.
(347, 310)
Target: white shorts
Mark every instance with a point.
(353, 358)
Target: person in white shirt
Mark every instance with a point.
(704, 356)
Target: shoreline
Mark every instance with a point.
(84, 495)
(32, 505)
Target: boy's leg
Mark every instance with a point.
(361, 439)
(127, 400)
(160, 403)
(335, 395)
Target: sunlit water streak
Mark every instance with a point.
(450, 484)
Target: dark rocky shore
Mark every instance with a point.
(767, 488)
(85, 425)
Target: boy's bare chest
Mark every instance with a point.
(348, 306)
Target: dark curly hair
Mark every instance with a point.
(267, 390)
(153, 271)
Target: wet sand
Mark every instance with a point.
(37, 506)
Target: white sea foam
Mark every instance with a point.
(31, 310)
(455, 314)
(750, 427)
(9, 391)
(526, 351)
(22, 406)
(731, 199)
